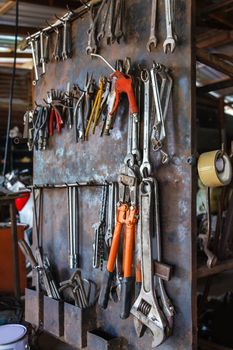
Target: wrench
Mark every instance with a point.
(169, 43)
(101, 33)
(152, 42)
(42, 58)
(57, 47)
(167, 306)
(73, 234)
(34, 62)
(119, 23)
(111, 211)
(146, 166)
(146, 307)
(110, 34)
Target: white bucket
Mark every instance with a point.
(13, 337)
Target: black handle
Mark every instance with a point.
(126, 296)
(105, 289)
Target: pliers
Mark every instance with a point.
(54, 113)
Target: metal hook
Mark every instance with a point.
(85, 4)
(55, 29)
(59, 18)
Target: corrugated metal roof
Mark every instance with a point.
(31, 15)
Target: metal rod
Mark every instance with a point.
(65, 185)
(71, 15)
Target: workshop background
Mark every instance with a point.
(83, 171)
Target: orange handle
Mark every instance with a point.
(124, 84)
(130, 226)
(121, 213)
(128, 250)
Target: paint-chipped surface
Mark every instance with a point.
(100, 158)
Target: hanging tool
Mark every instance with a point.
(72, 196)
(98, 246)
(169, 44)
(152, 42)
(123, 84)
(96, 109)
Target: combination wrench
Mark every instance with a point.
(169, 44)
(145, 168)
(152, 42)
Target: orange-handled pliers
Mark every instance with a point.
(55, 114)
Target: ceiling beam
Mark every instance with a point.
(7, 29)
(7, 6)
(215, 86)
(214, 62)
(218, 38)
(216, 7)
(11, 55)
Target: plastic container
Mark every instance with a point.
(13, 337)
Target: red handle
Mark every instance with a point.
(124, 84)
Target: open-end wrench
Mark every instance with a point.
(146, 307)
(145, 168)
(31, 43)
(110, 33)
(152, 42)
(169, 44)
(101, 33)
(119, 21)
(57, 47)
(42, 58)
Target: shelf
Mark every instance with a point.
(208, 345)
(204, 271)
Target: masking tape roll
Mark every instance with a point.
(214, 169)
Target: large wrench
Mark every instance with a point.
(167, 306)
(152, 42)
(146, 307)
(146, 166)
(169, 43)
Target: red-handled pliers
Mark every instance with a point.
(55, 114)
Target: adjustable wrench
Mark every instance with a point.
(146, 307)
(145, 168)
(152, 42)
(169, 44)
(166, 304)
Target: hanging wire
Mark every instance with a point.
(9, 117)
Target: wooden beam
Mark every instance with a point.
(7, 29)
(216, 7)
(215, 86)
(11, 55)
(208, 345)
(214, 38)
(204, 271)
(7, 6)
(214, 62)
(222, 19)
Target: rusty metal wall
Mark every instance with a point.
(100, 158)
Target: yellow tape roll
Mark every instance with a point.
(214, 169)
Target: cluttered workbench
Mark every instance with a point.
(104, 165)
